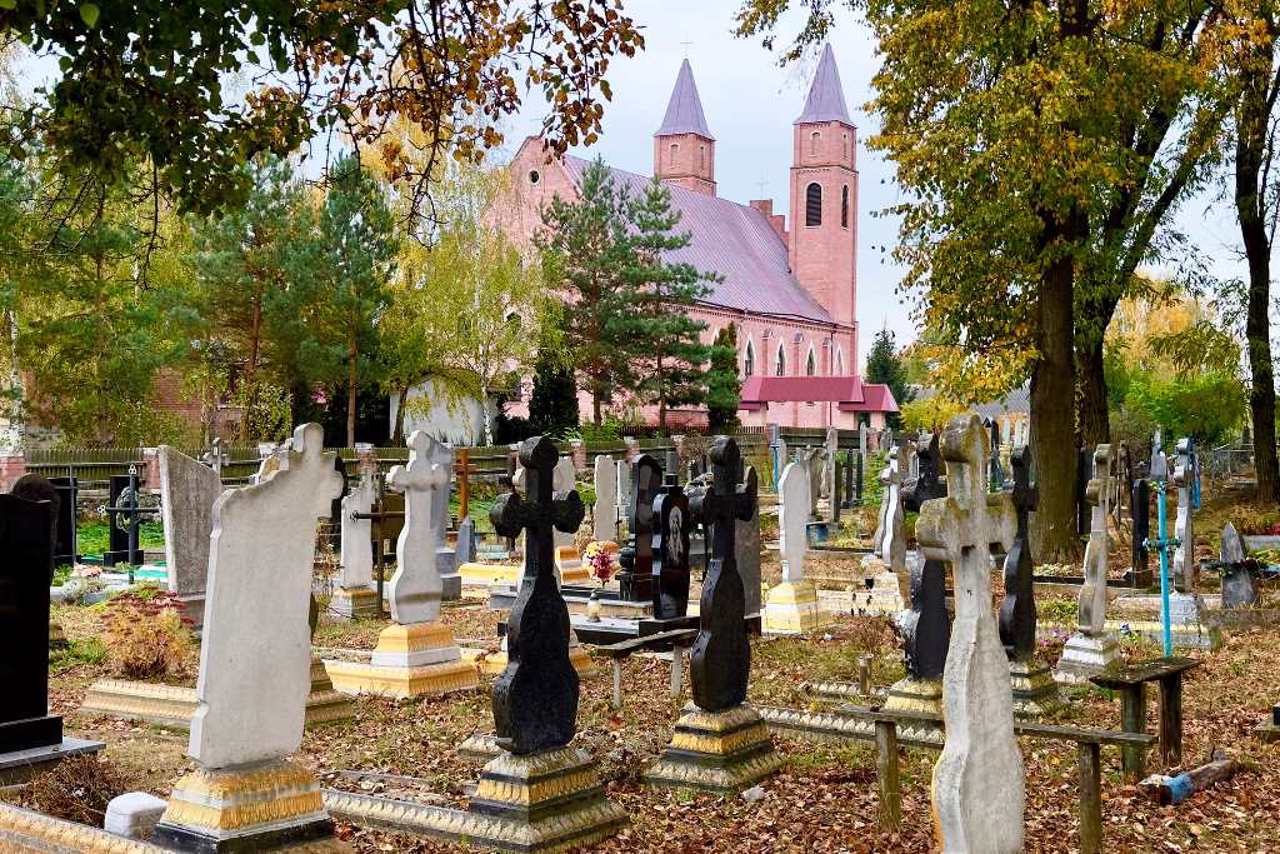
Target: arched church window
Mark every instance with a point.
(813, 142)
(749, 361)
(702, 158)
(813, 204)
(844, 206)
(839, 363)
(675, 150)
(780, 365)
(846, 146)
(811, 364)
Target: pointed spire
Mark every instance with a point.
(684, 110)
(826, 96)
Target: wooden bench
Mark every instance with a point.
(676, 640)
(1130, 682)
(1088, 743)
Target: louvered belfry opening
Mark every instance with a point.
(813, 205)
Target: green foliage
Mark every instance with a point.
(886, 365)
(553, 405)
(94, 538)
(724, 385)
(77, 652)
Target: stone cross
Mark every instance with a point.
(721, 658)
(892, 548)
(926, 626)
(255, 656)
(605, 514)
(635, 582)
(1092, 602)
(442, 455)
(978, 783)
(1018, 611)
(535, 699)
(416, 587)
(794, 491)
(672, 526)
(1185, 570)
(357, 534)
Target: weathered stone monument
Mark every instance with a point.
(978, 784)
(605, 512)
(747, 554)
(1238, 587)
(417, 654)
(355, 595)
(635, 579)
(1092, 649)
(793, 606)
(443, 456)
(188, 490)
(720, 742)
(1035, 692)
(885, 570)
(1186, 605)
(255, 666)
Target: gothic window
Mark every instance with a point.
(813, 204)
(844, 206)
(846, 147)
(811, 364)
(813, 142)
(839, 363)
(702, 158)
(749, 361)
(780, 366)
(671, 159)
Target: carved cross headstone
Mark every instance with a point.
(672, 526)
(1018, 611)
(1093, 593)
(978, 783)
(605, 514)
(535, 699)
(255, 656)
(635, 582)
(892, 549)
(1185, 570)
(926, 627)
(442, 455)
(357, 534)
(794, 490)
(416, 587)
(721, 657)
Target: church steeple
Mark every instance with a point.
(826, 96)
(683, 148)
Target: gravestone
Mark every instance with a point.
(886, 568)
(335, 507)
(635, 580)
(925, 627)
(356, 595)
(996, 469)
(416, 655)
(124, 515)
(66, 545)
(792, 606)
(605, 514)
(1034, 690)
(446, 558)
(831, 474)
(1186, 605)
(747, 554)
(188, 490)
(255, 665)
(1140, 515)
(672, 527)
(626, 501)
(978, 784)
(26, 536)
(721, 744)
(1238, 588)
(1092, 650)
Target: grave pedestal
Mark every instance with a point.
(477, 574)
(409, 661)
(1035, 692)
(351, 603)
(921, 696)
(256, 808)
(792, 608)
(1086, 656)
(882, 593)
(578, 657)
(723, 752)
(1269, 730)
(570, 566)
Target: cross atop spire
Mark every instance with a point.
(826, 96)
(684, 110)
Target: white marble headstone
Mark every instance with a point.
(416, 587)
(357, 535)
(1184, 569)
(564, 479)
(605, 514)
(255, 658)
(794, 489)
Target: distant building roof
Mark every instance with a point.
(684, 110)
(826, 96)
(850, 392)
(735, 241)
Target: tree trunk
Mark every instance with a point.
(251, 369)
(1053, 527)
(397, 435)
(486, 427)
(1095, 421)
(1251, 144)
(352, 359)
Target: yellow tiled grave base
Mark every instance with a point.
(484, 574)
(404, 682)
(717, 751)
(353, 602)
(1035, 691)
(793, 609)
(496, 662)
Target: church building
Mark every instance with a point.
(790, 289)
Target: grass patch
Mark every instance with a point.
(77, 652)
(94, 538)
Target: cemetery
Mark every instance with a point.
(416, 435)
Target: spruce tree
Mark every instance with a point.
(668, 369)
(885, 365)
(553, 406)
(724, 386)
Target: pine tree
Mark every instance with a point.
(668, 370)
(885, 365)
(553, 406)
(724, 386)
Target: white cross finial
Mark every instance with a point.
(416, 586)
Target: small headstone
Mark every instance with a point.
(564, 480)
(465, 547)
(1018, 611)
(747, 554)
(357, 535)
(605, 514)
(1092, 650)
(978, 783)
(926, 626)
(1238, 587)
(133, 815)
(672, 526)
(793, 519)
(188, 491)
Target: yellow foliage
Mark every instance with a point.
(931, 413)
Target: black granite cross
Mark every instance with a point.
(535, 699)
(635, 582)
(926, 626)
(1018, 611)
(721, 658)
(26, 541)
(671, 550)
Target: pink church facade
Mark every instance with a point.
(790, 291)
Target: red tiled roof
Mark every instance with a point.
(734, 241)
(776, 389)
(876, 397)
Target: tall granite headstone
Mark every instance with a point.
(635, 580)
(672, 527)
(188, 491)
(605, 513)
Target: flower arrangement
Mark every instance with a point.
(601, 560)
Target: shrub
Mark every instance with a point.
(76, 789)
(147, 634)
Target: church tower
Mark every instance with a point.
(684, 152)
(824, 195)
